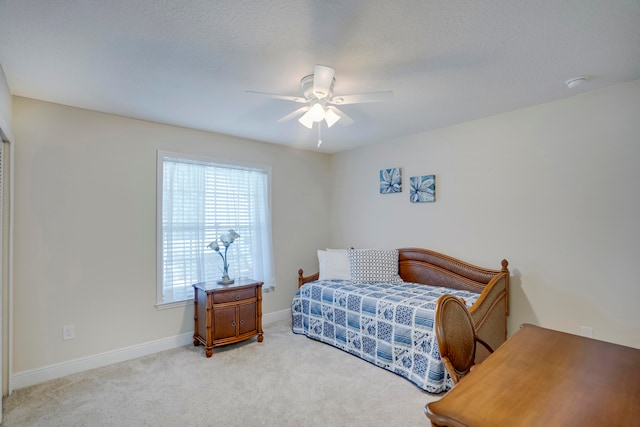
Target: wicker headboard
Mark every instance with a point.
(419, 265)
(424, 266)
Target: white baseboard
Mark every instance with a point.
(276, 316)
(35, 376)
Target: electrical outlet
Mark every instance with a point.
(68, 332)
(586, 331)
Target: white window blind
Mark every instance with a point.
(199, 201)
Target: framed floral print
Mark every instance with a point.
(390, 180)
(423, 189)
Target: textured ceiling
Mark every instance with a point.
(189, 63)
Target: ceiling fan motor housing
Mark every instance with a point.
(307, 88)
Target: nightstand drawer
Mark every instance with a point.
(234, 295)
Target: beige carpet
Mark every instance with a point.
(287, 380)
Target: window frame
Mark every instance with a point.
(161, 154)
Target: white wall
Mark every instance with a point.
(85, 206)
(553, 188)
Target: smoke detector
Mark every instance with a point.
(576, 82)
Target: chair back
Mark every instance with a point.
(456, 335)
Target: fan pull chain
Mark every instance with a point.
(319, 135)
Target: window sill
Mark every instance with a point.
(174, 304)
(186, 302)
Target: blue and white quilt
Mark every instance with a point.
(387, 324)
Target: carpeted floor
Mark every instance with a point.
(287, 380)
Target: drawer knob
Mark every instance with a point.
(233, 324)
(237, 297)
(242, 321)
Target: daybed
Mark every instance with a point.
(387, 318)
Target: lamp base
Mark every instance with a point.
(225, 281)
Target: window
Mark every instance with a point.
(198, 200)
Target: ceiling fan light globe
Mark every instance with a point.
(316, 113)
(306, 120)
(331, 117)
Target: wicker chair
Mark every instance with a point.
(456, 334)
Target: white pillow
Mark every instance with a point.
(374, 265)
(334, 264)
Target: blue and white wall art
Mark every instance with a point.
(390, 180)
(423, 189)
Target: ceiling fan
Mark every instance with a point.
(317, 89)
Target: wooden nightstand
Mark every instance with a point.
(226, 314)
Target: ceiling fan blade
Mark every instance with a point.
(297, 99)
(361, 98)
(294, 114)
(322, 80)
(345, 120)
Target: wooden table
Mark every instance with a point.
(541, 377)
